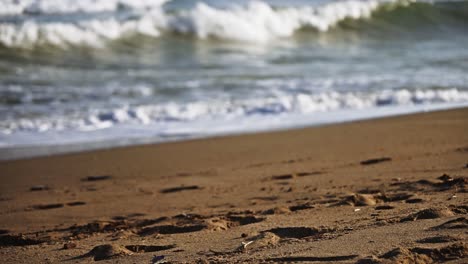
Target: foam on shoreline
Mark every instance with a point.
(35, 144)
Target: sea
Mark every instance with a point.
(93, 74)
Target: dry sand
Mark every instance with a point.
(381, 191)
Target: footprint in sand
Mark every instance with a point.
(427, 255)
(170, 229)
(285, 210)
(18, 240)
(277, 210)
(430, 213)
(230, 221)
(299, 207)
(414, 200)
(394, 197)
(459, 209)
(459, 223)
(437, 239)
(443, 183)
(297, 232)
(384, 207)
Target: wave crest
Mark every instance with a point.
(18, 7)
(259, 22)
(255, 22)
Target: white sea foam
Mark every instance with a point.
(196, 111)
(255, 22)
(259, 22)
(15, 7)
(89, 32)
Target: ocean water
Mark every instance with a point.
(78, 75)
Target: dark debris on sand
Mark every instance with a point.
(36, 188)
(179, 189)
(375, 161)
(97, 178)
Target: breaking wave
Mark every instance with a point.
(195, 111)
(28, 23)
(21, 7)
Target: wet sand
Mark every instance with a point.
(379, 191)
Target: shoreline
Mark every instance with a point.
(342, 192)
(331, 118)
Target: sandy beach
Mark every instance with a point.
(391, 190)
